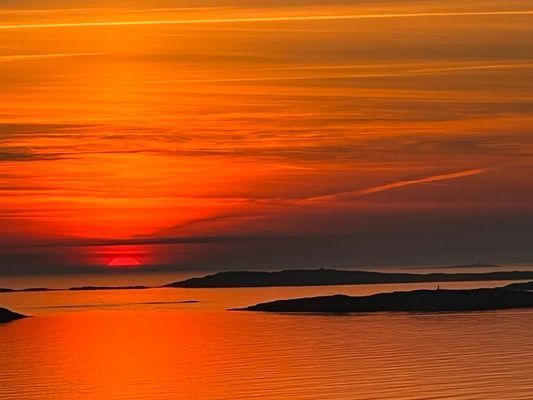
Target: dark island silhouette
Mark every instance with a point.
(75, 288)
(479, 264)
(8, 315)
(32, 289)
(323, 277)
(520, 286)
(306, 277)
(412, 301)
(108, 287)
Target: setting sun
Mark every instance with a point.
(124, 262)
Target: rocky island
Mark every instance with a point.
(8, 316)
(412, 301)
(519, 286)
(323, 277)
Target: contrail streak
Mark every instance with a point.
(103, 9)
(23, 57)
(394, 185)
(263, 19)
(409, 72)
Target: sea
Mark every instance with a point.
(155, 344)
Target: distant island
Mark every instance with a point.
(323, 277)
(413, 301)
(478, 264)
(520, 286)
(36, 289)
(108, 287)
(8, 315)
(76, 288)
(306, 277)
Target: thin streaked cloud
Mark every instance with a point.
(395, 185)
(295, 18)
(409, 72)
(103, 9)
(31, 57)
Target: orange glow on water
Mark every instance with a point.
(202, 352)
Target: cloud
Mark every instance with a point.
(103, 9)
(391, 74)
(32, 57)
(11, 155)
(8, 129)
(297, 18)
(420, 67)
(154, 241)
(394, 185)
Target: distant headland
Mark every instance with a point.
(108, 287)
(323, 277)
(306, 277)
(520, 286)
(478, 265)
(414, 301)
(8, 315)
(76, 288)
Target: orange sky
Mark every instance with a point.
(186, 129)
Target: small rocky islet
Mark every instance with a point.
(8, 315)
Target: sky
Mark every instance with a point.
(223, 134)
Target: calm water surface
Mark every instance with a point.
(144, 344)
